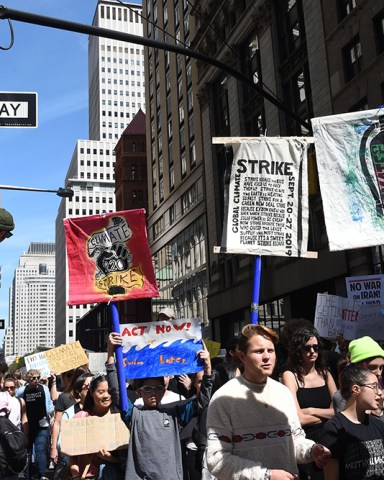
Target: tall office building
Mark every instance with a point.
(116, 92)
(317, 58)
(32, 301)
(177, 221)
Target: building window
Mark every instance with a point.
(171, 176)
(158, 227)
(352, 58)
(345, 8)
(189, 199)
(378, 25)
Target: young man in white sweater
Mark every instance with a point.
(253, 429)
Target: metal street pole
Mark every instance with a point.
(8, 13)
(61, 192)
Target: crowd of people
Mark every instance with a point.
(270, 410)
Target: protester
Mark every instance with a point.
(254, 432)
(312, 387)
(367, 353)
(282, 347)
(18, 414)
(355, 438)
(231, 366)
(39, 408)
(154, 449)
(18, 376)
(104, 464)
(10, 407)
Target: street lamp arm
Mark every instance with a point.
(35, 19)
(61, 192)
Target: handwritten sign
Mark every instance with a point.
(58, 360)
(83, 435)
(158, 349)
(38, 361)
(335, 316)
(338, 315)
(267, 212)
(366, 290)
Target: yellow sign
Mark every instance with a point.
(212, 347)
(66, 357)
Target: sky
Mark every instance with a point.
(54, 64)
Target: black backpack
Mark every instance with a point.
(13, 447)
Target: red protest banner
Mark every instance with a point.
(109, 258)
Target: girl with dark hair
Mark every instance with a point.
(312, 387)
(104, 464)
(355, 438)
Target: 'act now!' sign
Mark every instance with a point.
(18, 110)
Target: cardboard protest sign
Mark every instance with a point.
(349, 157)
(158, 349)
(267, 211)
(338, 315)
(368, 289)
(58, 360)
(89, 434)
(109, 258)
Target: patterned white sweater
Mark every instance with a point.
(253, 427)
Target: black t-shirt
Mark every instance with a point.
(35, 405)
(359, 447)
(64, 401)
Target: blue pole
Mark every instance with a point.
(119, 359)
(256, 290)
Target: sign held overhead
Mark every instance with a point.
(18, 110)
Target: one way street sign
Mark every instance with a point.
(18, 110)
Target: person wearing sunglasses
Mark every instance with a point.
(312, 387)
(154, 449)
(18, 414)
(355, 438)
(39, 407)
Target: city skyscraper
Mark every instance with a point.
(116, 92)
(32, 301)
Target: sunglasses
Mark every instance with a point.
(85, 386)
(149, 389)
(34, 378)
(9, 388)
(308, 348)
